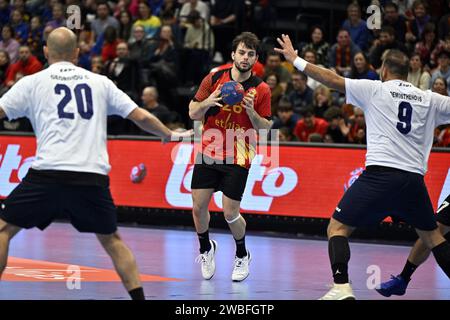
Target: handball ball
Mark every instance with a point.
(232, 92)
(138, 173)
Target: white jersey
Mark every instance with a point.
(400, 120)
(68, 108)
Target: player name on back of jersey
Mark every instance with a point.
(405, 96)
(68, 78)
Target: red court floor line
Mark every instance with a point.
(27, 270)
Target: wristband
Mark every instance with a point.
(300, 63)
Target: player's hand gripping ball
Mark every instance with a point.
(232, 92)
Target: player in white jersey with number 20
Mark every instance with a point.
(400, 126)
(68, 108)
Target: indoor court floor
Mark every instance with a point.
(44, 265)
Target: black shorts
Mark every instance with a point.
(228, 178)
(443, 212)
(83, 198)
(381, 192)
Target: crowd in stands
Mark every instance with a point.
(150, 47)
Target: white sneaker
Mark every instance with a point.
(207, 261)
(240, 270)
(339, 292)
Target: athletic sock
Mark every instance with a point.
(137, 294)
(205, 244)
(241, 251)
(442, 255)
(408, 270)
(339, 252)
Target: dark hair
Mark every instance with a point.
(308, 112)
(389, 30)
(443, 80)
(354, 72)
(392, 5)
(418, 3)
(11, 29)
(428, 28)
(284, 104)
(101, 3)
(310, 50)
(397, 63)
(249, 39)
(332, 113)
(110, 34)
(301, 74)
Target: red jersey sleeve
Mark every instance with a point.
(204, 91)
(262, 106)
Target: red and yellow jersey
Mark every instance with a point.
(228, 131)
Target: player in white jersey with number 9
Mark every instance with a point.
(68, 108)
(400, 127)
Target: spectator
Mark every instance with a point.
(4, 66)
(441, 46)
(443, 69)
(103, 20)
(338, 130)
(198, 42)
(140, 48)
(97, 65)
(426, 46)
(440, 85)
(322, 100)
(20, 27)
(273, 65)
(191, 6)
(444, 24)
(308, 125)
(59, 19)
(125, 25)
(404, 7)
(276, 91)
(318, 45)
(286, 118)
(285, 135)
(5, 12)
(356, 26)
(361, 69)
(357, 132)
(146, 19)
(35, 37)
(8, 43)
(151, 104)
(393, 19)
(342, 53)
(164, 64)
(84, 58)
(416, 26)
(26, 65)
(311, 57)
(224, 22)
(417, 76)
(124, 72)
(20, 5)
(386, 41)
(110, 43)
(301, 96)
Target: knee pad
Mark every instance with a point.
(234, 219)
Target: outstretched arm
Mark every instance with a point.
(324, 76)
(148, 122)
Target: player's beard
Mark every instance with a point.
(242, 70)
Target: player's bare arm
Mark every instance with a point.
(325, 76)
(148, 122)
(2, 113)
(258, 122)
(198, 109)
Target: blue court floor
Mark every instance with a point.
(281, 268)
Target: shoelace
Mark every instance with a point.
(201, 258)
